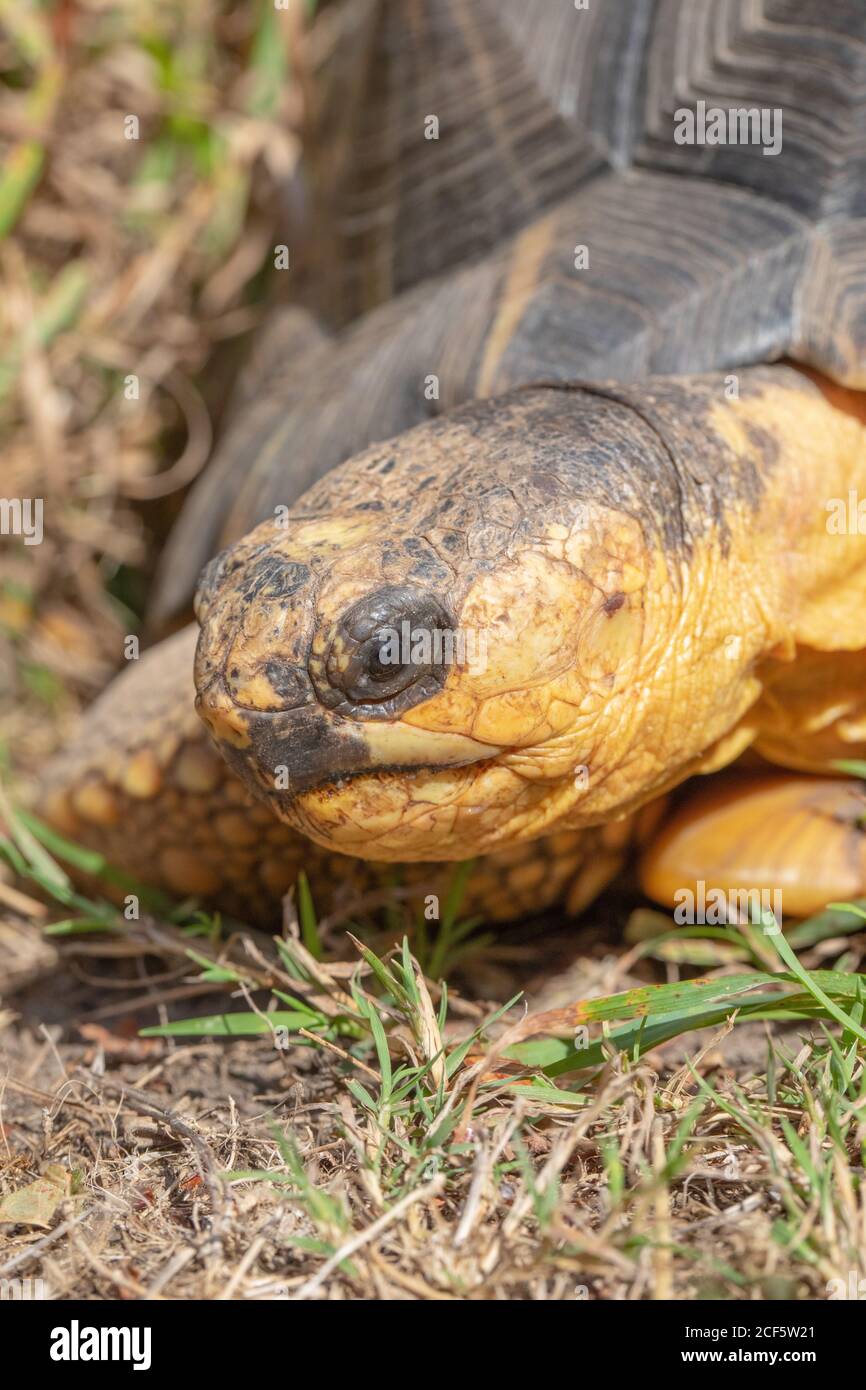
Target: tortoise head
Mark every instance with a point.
(436, 650)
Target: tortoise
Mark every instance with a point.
(582, 382)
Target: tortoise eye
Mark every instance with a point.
(371, 669)
(385, 645)
(379, 666)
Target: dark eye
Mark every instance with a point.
(379, 666)
(385, 645)
(372, 669)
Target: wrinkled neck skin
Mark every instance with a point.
(630, 568)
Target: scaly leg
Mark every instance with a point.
(803, 838)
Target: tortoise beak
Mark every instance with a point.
(280, 754)
(227, 725)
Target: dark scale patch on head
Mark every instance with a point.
(375, 506)
(429, 571)
(559, 451)
(648, 450)
(220, 569)
(421, 562)
(273, 577)
(613, 603)
(290, 682)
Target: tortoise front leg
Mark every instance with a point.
(798, 841)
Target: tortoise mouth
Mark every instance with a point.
(283, 754)
(338, 781)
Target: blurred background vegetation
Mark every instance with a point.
(131, 264)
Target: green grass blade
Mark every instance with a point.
(810, 980)
(234, 1025)
(307, 918)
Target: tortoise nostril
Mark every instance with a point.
(225, 722)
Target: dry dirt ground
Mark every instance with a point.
(238, 1168)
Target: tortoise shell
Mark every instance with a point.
(661, 187)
